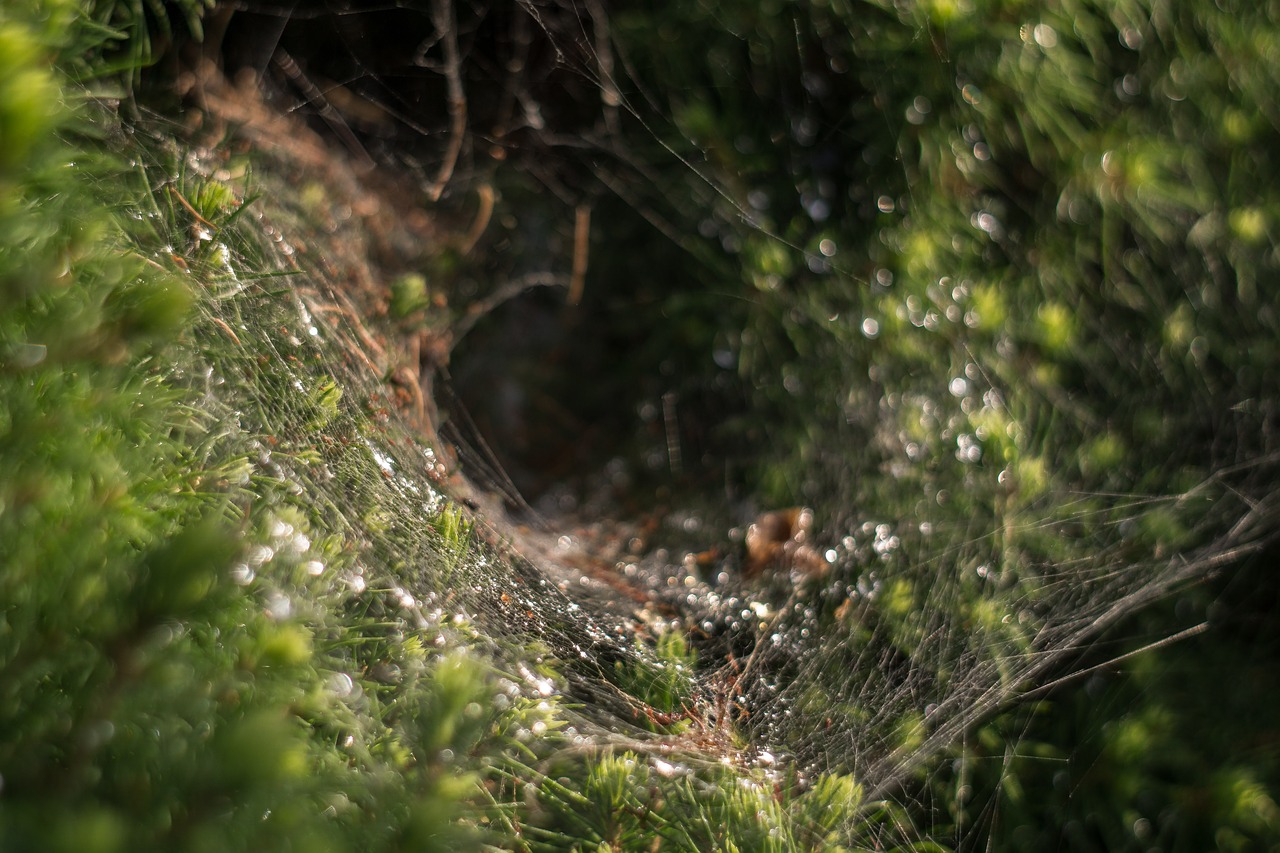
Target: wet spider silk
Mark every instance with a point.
(876, 427)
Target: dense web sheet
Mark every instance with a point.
(344, 446)
(943, 568)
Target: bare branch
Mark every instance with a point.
(442, 18)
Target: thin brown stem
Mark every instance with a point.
(581, 247)
(442, 18)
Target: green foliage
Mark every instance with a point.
(144, 30)
(408, 294)
(664, 684)
(1162, 756)
(1001, 294)
(155, 695)
(630, 802)
(988, 267)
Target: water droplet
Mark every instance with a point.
(279, 606)
(341, 685)
(817, 208)
(27, 355)
(1045, 36)
(666, 769)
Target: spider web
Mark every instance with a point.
(937, 576)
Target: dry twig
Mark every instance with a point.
(581, 241)
(442, 18)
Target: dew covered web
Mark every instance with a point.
(892, 356)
